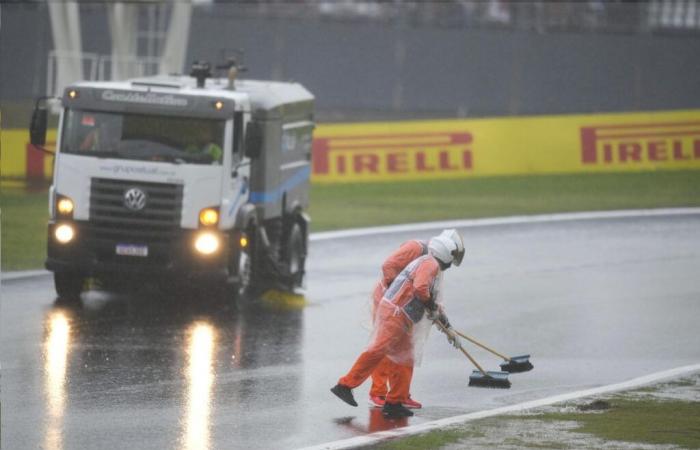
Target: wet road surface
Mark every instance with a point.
(595, 302)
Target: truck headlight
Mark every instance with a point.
(206, 243)
(64, 233)
(64, 205)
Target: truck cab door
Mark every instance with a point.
(237, 184)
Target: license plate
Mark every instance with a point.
(132, 250)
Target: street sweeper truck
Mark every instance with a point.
(170, 179)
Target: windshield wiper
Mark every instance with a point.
(97, 153)
(163, 158)
(202, 158)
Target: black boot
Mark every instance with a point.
(395, 411)
(344, 393)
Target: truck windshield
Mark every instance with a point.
(143, 137)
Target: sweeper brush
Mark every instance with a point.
(496, 380)
(481, 378)
(513, 364)
(517, 364)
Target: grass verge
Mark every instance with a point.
(642, 421)
(24, 214)
(433, 440)
(24, 217)
(357, 205)
(666, 414)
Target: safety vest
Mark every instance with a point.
(412, 307)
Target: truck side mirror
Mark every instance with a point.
(37, 128)
(253, 140)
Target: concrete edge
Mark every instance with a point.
(507, 220)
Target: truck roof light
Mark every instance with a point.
(73, 94)
(201, 70)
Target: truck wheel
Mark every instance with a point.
(295, 254)
(68, 285)
(246, 266)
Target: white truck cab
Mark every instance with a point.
(183, 178)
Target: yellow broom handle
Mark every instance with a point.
(474, 341)
(476, 364)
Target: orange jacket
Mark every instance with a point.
(394, 264)
(398, 260)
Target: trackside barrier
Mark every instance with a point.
(458, 148)
(21, 160)
(506, 146)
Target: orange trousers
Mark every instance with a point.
(380, 375)
(392, 336)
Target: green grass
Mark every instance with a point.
(432, 440)
(645, 421)
(633, 417)
(355, 205)
(24, 217)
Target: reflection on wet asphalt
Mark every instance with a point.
(594, 302)
(55, 355)
(200, 378)
(127, 370)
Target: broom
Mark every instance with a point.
(513, 364)
(482, 378)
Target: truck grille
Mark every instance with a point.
(157, 221)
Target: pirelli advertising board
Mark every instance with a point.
(19, 158)
(424, 150)
(522, 145)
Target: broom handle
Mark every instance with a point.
(474, 341)
(476, 364)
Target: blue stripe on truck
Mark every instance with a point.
(299, 177)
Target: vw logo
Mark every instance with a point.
(135, 199)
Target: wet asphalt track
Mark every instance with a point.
(595, 302)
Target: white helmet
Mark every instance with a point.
(447, 247)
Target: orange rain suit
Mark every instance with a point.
(393, 329)
(394, 264)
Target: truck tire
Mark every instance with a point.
(68, 285)
(246, 265)
(295, 254)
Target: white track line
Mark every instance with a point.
(375, 438)
(9, 276)
(510, 220)
(464, 223)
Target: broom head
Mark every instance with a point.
(517, 364)
(496, 380)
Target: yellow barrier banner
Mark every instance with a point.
(414, 150)
(20, 159)
(457, 148)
